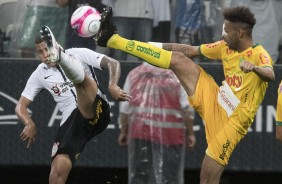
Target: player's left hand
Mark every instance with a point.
(246, 66)
(118, 94)
(190, 141)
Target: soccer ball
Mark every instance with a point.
(86, 21)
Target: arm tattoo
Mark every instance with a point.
(178, 48)
(113, 67)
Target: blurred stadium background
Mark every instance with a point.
(257, 159)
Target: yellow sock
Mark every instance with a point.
(153, 55)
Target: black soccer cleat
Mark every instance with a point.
(107, 28)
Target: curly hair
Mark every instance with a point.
(38, 40)
(240, 14)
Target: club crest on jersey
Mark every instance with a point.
(264, 59)
(229, 51)
(249, 53)
(56, 90)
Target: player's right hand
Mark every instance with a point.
(118, 94)
(29, 134)
(122, 139)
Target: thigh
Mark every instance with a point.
(222, 142)
(204, 100)
(221, 137)
(101, 119)
(60, 167)
(86, 93)
(186, 71)
(71, 137)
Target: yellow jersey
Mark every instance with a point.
(248, 87)
(279, 106)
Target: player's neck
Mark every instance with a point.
(245, 45)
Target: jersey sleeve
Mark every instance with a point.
(87, 56)
(33, 86)
(212, 50)
(264, 59)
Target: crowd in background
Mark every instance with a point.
(184, 21)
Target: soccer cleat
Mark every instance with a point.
(107, 28)
(52, 45)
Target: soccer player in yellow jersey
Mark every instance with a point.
(227, 110)
(279, 114)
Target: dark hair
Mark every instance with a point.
(38, 40)
(240, 14)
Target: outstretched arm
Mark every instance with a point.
(265, 73)
(188, 50)
(29, 131)
(113, 67)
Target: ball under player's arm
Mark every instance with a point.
(29, 132)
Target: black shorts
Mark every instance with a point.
(73, 135)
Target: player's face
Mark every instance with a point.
(230, 35)
(43, 54)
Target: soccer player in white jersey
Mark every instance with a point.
(69, 76)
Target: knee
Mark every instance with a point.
(179, 60)
(59, 170)
(56, 176)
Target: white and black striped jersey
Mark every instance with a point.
(55, 81)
